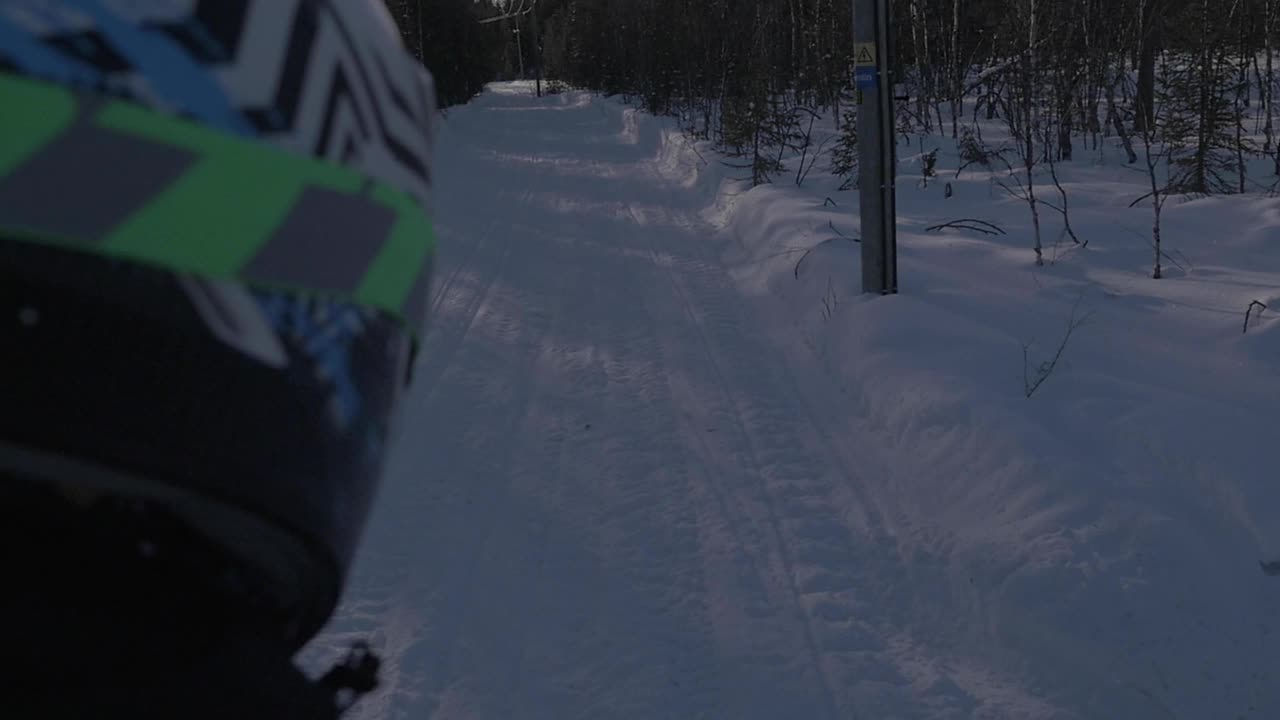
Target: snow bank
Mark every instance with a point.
(1090, 551)
(1098, 542)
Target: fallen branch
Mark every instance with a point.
(963, 224)
(1249, 311)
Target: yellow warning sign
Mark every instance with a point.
(864, 54)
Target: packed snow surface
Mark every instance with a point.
(653, 469)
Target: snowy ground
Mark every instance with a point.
(654, 471)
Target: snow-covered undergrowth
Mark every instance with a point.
(1100, 540)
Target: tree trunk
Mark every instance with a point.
(1155, 235)
(1268, 83)
(958, 71)
(1113, 116)
(537, 51)
(1150, 26)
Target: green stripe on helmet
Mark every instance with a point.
(220, 213)
(113, 176)
(226, 208)
(392, 274)
(34, 114)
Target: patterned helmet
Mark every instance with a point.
(215, 247)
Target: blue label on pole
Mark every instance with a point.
(866, 78)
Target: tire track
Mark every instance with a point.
(637, 491)
(837, 568)
(537, 492)
(510, 555)
(447, 285)
(614, 505)
(760, 465)
(456, 468)
(488, 454)
(448, 330)
(644, 522)
(843, 553)
(887, 568)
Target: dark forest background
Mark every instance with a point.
(1187, 85)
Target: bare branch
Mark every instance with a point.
(1046, 369)
(815, 247)
(1249, 310)
(965, 224)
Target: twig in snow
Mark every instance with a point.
(832, 225)
(689, 144)
(1144, 197)
(1055, 257)
(1168, 257)
(1163, 254)
(1064, 210)
(830, 301)
(1249, 311)
(1046, 368)
(815, 247)
(1187, 260)
(803, 171)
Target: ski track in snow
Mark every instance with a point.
(612, 499)
(643, 474)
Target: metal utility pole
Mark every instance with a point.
(877, 146)
(519, 49)
(422, 46)
(517, 13)
(537, 49)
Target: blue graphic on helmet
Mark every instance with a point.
(115, 53)
(325, 331)
(33, 57)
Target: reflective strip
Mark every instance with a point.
(222, 213)
(33, 115)
(115, 175)
(311, 246)
(131, 183)
(400, 273)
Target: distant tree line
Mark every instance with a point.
(1065, 73)
(447, 37)
(1184, 88)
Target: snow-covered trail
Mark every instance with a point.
(613, 501)
(653, 470)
